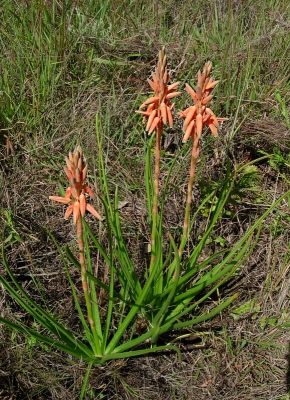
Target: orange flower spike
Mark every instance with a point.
(195, 118)
(158, 107)
(76, 171)
(201, 98)
(158, 113)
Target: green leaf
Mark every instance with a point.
(83, 353)
(138, 353)
(38, 313)
(246, 308)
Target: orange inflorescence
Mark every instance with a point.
(159, 107)
(76, 171)
(198, 115)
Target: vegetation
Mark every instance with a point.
(74, 73)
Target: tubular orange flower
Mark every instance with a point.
(159, 108)
(76, 171)
(200, 113)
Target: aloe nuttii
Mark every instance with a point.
(158, 113)
(159, 107)
(199, 115)
(195, 119)
(76, 171)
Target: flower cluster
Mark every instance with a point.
(76, 171)
(159, 107)
(198, 115)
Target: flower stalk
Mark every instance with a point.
(188, 202)
(196, 117)
(159, 130)
(85, 284)
(76, 171)
(158, 113)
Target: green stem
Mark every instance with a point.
(85, 284)
(188, 203)
(154, 231)
(85, 383)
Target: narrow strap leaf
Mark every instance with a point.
(138, 353)
(202, 318)
(83, 353)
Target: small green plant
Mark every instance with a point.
(277, 160)
(246, 183)
(175, 286)
(280, 163)
(283, 108)
(249, 308)
(12, 236)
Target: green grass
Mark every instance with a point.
(51, 53)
